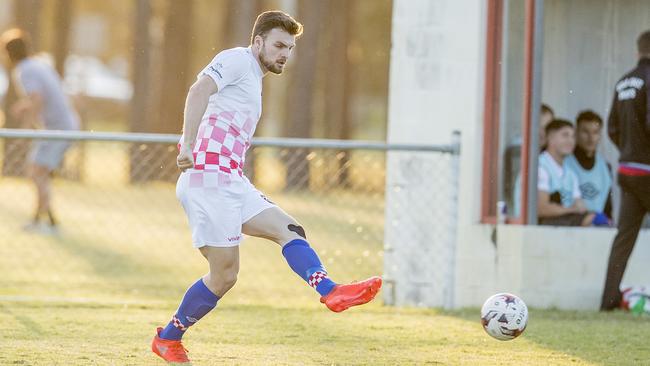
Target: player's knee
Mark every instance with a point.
(222, 281)
(229, 280)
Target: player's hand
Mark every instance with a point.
(185, 158)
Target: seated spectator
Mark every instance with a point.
(545, 118)
(512, 183)
(594, 174)
(559, 200)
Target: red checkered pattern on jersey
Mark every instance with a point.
(316, 278)
(222, 142)
(177, 323)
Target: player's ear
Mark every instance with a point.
(258, 42)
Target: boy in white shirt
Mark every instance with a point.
(559, 201)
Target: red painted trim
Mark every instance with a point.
(493, 48)
(492, 220)
(634, 172)
(528, 102)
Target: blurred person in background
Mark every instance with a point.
(559, 201)
(41, 101)
(629, 129)
(546, 116)
(594, 174)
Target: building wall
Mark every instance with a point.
(588, 45)
(563, 268)
(436, 86)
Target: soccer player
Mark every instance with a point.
(221, 112)
(41, 98)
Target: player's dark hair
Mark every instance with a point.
(269, 20)
(557, 124)
(547, 109)
(17, 44)
(643, 43)
(589, 116)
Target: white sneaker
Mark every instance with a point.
(41, 228)
(32, 227)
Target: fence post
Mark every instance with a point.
(420, 227)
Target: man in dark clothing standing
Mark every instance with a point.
(629, 129)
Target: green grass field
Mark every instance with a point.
(94, 294)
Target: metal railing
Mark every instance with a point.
(368, 207)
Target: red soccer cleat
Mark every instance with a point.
(170, 351)
(343, 297)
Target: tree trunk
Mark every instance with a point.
(242, 15)
(28, 17)
(63, 18)
(141, 80)
(337, 105)
(301, 91)
(173, 78)
(176, 65)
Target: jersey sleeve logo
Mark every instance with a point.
(215, 69)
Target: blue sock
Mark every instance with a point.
(305, 262)
(197, 302)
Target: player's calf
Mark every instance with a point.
(304, 261)
(197, 302)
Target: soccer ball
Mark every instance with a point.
(504, 316)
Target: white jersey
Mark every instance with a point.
(215, 194)
(231, 117)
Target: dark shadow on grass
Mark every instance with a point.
(33, 327)
(125, 274)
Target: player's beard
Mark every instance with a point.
(270, 65)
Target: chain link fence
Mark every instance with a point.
(123, 235)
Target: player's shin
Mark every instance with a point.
(305, 262)
(197, 302)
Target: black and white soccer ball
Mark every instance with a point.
(504, 316)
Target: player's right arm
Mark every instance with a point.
(195, 106)
(225, 69)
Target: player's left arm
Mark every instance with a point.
(195, 106)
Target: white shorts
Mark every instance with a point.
(217, 204)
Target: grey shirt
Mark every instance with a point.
(35, 76)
